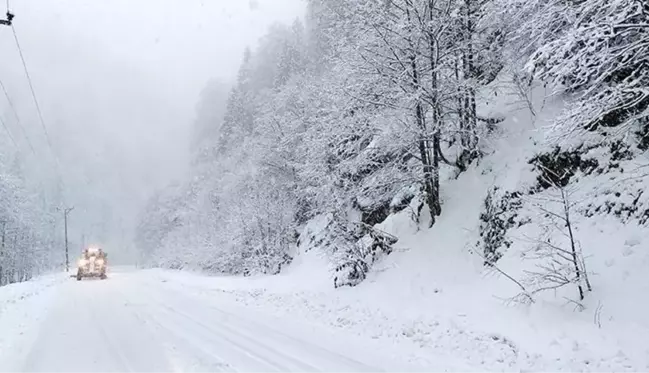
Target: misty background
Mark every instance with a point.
(118, 84)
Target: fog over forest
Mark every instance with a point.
(117, 83)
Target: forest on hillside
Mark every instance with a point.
(30, 238)
(354, 113)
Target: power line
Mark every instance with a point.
(13, 108)
(38, 107)
(40, 117)
(31, 88)
(9, 133)
(11, 105)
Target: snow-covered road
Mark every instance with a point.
(133, 322)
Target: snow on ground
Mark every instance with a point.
(136, 321)
(22, 308)
(449, 316)
(433, 298)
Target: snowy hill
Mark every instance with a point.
(474, 190)
(438, 274)
(434, 294)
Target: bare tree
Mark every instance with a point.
(557, 248)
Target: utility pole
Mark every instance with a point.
(66, 211)
(2, 253)
(7, 22)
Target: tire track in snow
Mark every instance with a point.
(110, 341)
(259, 336)
(221, 338)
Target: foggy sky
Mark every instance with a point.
(118, 82)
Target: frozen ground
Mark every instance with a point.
(139, 321)
(22, 308)
(439, 313)
(157, 320)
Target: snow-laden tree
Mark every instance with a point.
(236, 211)
(413, 60)
(595, 50)
(157, 220)
(28, 243)
(350, 115)
(207, 126)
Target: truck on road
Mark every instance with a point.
(92, 263)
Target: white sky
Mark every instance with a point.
(118, 81)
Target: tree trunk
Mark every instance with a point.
(11, 273)
(429, 161)
(2, 254)
(575, 261)
(467, 107)
(436, 208)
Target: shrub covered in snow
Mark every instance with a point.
(352, 247)
(361, 256)
(558, 166)
(499, 215)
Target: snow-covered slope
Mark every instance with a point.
(434, 293)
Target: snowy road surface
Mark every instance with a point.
(132, 322)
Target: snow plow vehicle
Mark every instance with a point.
(92, 264)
